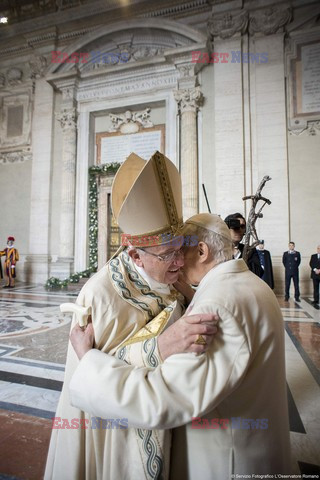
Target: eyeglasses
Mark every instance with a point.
(166, 257)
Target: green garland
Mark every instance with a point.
(97, 170)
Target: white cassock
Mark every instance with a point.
(128, 311)
(242, 376)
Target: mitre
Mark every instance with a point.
(146, 199)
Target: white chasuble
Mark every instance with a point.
(127, 317)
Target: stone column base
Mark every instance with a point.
(62, 268)
(36, 268)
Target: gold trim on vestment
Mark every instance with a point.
(152, 329)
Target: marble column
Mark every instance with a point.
(189, 100)
(67, 119)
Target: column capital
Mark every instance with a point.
(188, 99)
(67, 118)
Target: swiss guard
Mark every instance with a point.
(11, 257)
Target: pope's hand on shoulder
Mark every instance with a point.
(181, 336)
(178, 338)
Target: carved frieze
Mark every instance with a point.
(266, 21)
(146, 52)
(124, 53)
(188, 99)
(269, 20)
(227, 25)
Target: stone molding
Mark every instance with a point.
(177, 9)
(15, 157)
(188, 99)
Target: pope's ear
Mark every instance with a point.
(203, 252)
(135, 255)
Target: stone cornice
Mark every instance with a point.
(174, 10)
(63, 16)
(31, 41)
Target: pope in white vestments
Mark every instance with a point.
(129, 309)
(236, 391)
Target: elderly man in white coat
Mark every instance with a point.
(229, 406)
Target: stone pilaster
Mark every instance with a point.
(189, 100)
(37, 262)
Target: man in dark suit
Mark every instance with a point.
(291, 261)
(315, 274)
(237, 225)
(266, 264)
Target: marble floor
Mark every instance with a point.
(33, 345)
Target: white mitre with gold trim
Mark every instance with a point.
(147, 199)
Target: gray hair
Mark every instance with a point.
(220, 247)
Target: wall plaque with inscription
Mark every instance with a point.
(115, 147)
(304, 85)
